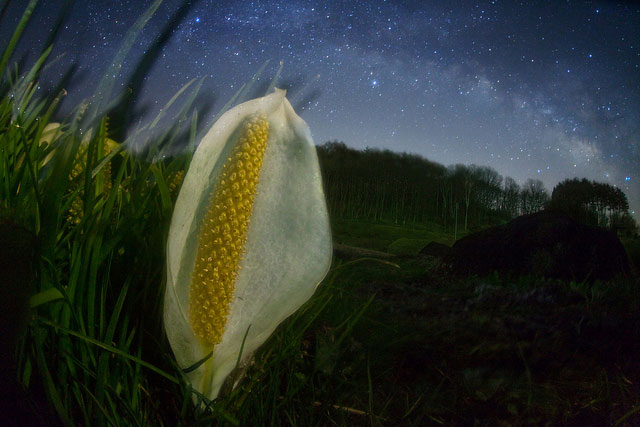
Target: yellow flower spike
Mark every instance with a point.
(249, 239)
(174, 181)
(76, 210)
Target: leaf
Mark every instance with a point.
(44, 297)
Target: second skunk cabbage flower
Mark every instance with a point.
(249, 239)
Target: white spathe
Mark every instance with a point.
(288, 249)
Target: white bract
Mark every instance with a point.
(249, 240)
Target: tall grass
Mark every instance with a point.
(100, 217)
(94, 344)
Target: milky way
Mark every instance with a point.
(546, 90)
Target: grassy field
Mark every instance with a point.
(445, 349)
(389, 237)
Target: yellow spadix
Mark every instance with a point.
(249, 240)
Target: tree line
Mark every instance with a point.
(381, 185)
(594, 203)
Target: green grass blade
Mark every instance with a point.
(229, 104)
(41, 298)
(274, 80)
(105, 87)
(244, 338)
(626, 416)
(50, 387)
(197, 364)
(115, 316)
(106, 159)
(110, 348)
(165, 197)
(103, 364)
(247, 88)
(17, 33)
(30, 80)
(98, 403)
(163, 110)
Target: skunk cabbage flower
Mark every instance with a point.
(50, 134)
(249, 239)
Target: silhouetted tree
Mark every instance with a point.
(511, 197)
(380, 185)
(533, 196)
(590, 202)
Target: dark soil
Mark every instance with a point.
(499, 349)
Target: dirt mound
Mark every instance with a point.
(548, 244)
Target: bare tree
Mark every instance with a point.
(533, 196)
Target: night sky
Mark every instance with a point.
(546, 90)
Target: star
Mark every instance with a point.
(565, 76)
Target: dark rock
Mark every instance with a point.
(548, 244)
(435, 249)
